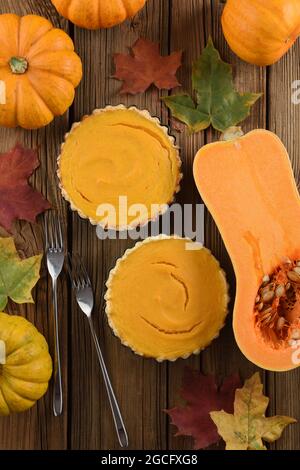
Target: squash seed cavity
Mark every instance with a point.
(277, 305)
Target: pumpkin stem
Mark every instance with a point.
(232, 133)
(18, 65)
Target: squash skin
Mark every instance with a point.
(249, 188)
(25, 376)
(261, 32)
(46, 88)
(95, 14)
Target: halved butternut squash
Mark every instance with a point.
(248, 185)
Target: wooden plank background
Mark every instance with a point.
(144, 387)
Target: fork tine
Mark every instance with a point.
(84, 271)
(70, 269)
(77, 272)
(60, 236)
(50, 231)
(46, 231)
(74, 271)
(80, 270)
(53, 231)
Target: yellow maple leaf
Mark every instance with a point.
(248, 427)
(17, 276)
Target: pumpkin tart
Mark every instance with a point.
(167, 298)
(119, 154)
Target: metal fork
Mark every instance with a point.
(55, 259)
(85, 298)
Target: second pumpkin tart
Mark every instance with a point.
(119, 167)
(167, 298)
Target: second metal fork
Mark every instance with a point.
(85, 298)
(55, 260)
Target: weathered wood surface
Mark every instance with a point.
(144, 387)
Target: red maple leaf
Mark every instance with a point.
(18, 200)
(202, 396)
(146, 66)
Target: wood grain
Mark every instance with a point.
(141, 385)
(38, 429)
(187, 33)
(224, 357)
(284, 119)
(144, 387)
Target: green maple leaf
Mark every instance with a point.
(217, 102)
(248, 427)
(17, 276)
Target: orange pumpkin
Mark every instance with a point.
(249, 188)
(261, 32)
(95, 14)
(39, 71)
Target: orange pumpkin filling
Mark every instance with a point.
(119, 153)
(167, 298)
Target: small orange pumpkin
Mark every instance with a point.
(261, 32)
(39, 71)
(95, 14)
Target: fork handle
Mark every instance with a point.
(118, 420)
(57, 390)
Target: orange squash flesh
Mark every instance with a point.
(249, 188)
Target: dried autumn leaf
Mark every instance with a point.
(17, 277)
(145, 66)
(217, 102)
(18, 200)
(248, 427)
(202, 395)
